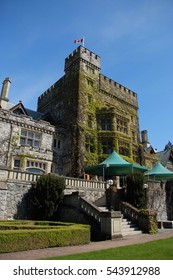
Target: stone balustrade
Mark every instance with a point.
(76, 183)
(90, 209)
(82, 183)
(22, 176)
(109, 221)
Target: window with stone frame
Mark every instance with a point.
(133, 136)
(35, 166)
(57, 143)
(17, 164)
(107, 146)
(89, 82)
(30, 138)
(124, 148)
(122, 124)
(89, 121)
(105, 124)
(124, 151)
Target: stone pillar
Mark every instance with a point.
(3, 199)
(111, 224)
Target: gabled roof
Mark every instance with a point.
(19, 109)
(150, 150)
(164, 156)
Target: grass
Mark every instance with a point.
(154, 250)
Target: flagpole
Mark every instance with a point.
(83, 42)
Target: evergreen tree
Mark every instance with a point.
(44, 198)
(136, 194)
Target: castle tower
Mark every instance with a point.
(95, 114)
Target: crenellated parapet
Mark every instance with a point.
(109, 86)
(50, 94)
(85, 55)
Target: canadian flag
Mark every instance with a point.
(79, 41)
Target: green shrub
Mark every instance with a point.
(148, 221)
(136, 194)
(42, 200)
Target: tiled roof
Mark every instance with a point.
(164, 156)
(34, 114)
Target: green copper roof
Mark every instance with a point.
(114, 165)
(114, 158)
(159, 172)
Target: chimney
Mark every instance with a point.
(4, 93)
(144, 135)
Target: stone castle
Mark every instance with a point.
(80, 119)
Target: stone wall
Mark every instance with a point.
(12, 201)
(11, 195)
(160, 195)
(11, 126)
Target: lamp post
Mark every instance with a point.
(104, 167)
(111, 182)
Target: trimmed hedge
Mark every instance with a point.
(12, 240)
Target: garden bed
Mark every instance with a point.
(28, 235)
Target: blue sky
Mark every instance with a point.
(133, 38)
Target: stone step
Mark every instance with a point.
(134, 232)
(129, 228)
(103, 208)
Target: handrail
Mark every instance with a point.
(130, 211)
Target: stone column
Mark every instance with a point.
(111, 224)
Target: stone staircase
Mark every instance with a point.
(129, 228)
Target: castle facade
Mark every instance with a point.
(95, 113)
(80, 119)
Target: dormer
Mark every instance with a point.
(19, 109)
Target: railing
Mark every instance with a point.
(69, 181)
(130, 211)
(90, 209)
(22, 176)
(146, 220)
(82, 183)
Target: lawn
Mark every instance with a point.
(154, 250)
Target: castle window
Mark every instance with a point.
(89, 121)
(133, 136)
(90, 82)
(124, 151)
(57, 143)
(36, 167)
(17, 164)
(105, 124)
(106, 147)
(122, 125)
(30, 138)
